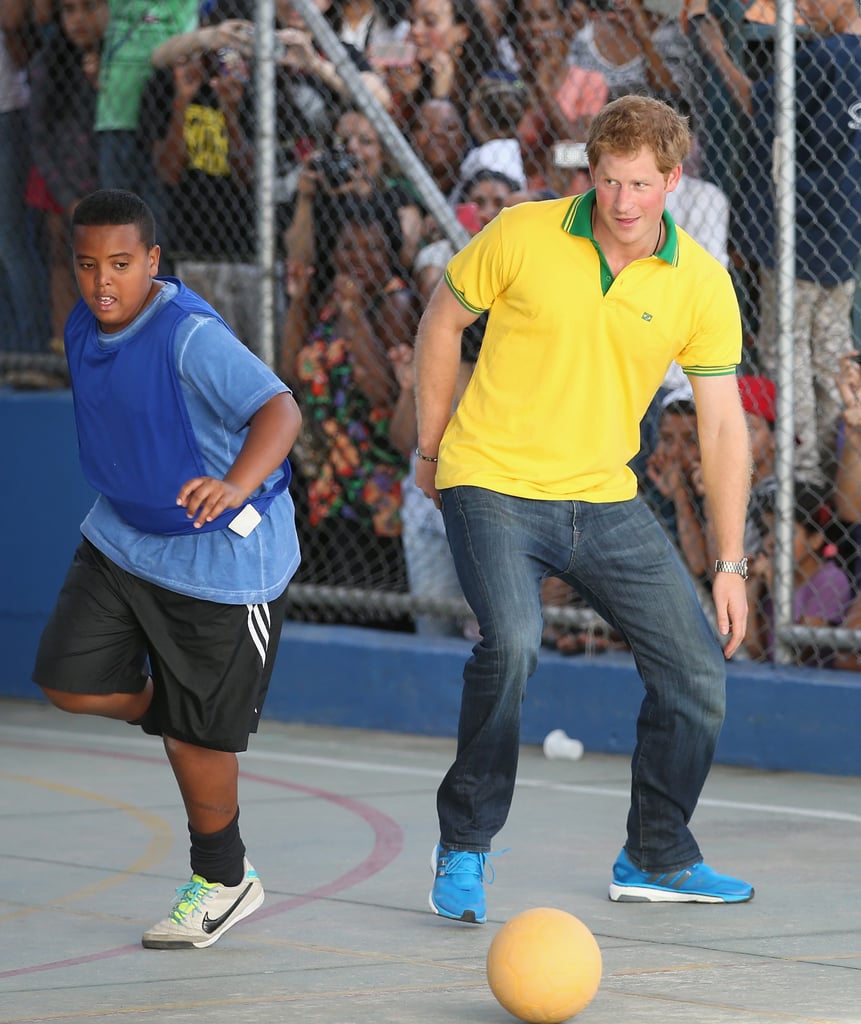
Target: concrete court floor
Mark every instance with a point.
(340, 824)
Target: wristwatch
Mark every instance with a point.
(739, 567)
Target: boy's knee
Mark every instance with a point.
(74, 703)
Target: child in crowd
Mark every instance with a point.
(822, 589)
(171, 612)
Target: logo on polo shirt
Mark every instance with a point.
(646, 316)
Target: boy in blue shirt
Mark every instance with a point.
(171, 612)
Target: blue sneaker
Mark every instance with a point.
(458, 888)
(695, 884)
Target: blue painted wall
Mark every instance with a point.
(783, 719)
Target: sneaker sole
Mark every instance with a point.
(468, 916)
(203, 943)
(646, 894)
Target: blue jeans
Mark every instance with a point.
(617, 557)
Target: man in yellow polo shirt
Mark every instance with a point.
(589, 300)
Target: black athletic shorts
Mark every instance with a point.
(210, 663)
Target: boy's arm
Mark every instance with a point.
(272, 432)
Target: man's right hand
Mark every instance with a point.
(425, 477)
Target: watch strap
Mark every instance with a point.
(737, 567)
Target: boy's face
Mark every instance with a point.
(114, 271)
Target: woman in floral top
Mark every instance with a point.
(339, 364)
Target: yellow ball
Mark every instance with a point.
(544, 966)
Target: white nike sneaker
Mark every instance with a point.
(203, 912)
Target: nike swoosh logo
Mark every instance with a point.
(209, 925)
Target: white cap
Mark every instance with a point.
(683, 393)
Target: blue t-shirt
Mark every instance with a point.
(223, 385)
(827, 163)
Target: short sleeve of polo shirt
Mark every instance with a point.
(477, 274)
(712, 346)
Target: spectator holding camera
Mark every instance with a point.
(229, 34)
(337, 357)
(352, 166)
(197, 125)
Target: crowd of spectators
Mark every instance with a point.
(495, 99)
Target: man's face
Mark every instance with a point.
(114, 271)
(630, 193)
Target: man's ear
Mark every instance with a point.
(673, 178)
(154, 257)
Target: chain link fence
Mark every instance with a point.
(313, 166)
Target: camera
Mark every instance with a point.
(336, 165)
(231, 64)
(570, 155)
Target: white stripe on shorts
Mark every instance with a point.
(258, 627)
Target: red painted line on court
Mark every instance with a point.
(388, 843)
(73, 961)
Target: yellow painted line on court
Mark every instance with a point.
(365, 954)
(161, 840)
(160, 1009)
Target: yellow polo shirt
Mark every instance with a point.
(572, 357)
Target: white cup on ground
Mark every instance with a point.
(558, 745)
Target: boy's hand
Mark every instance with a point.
(206, 498)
